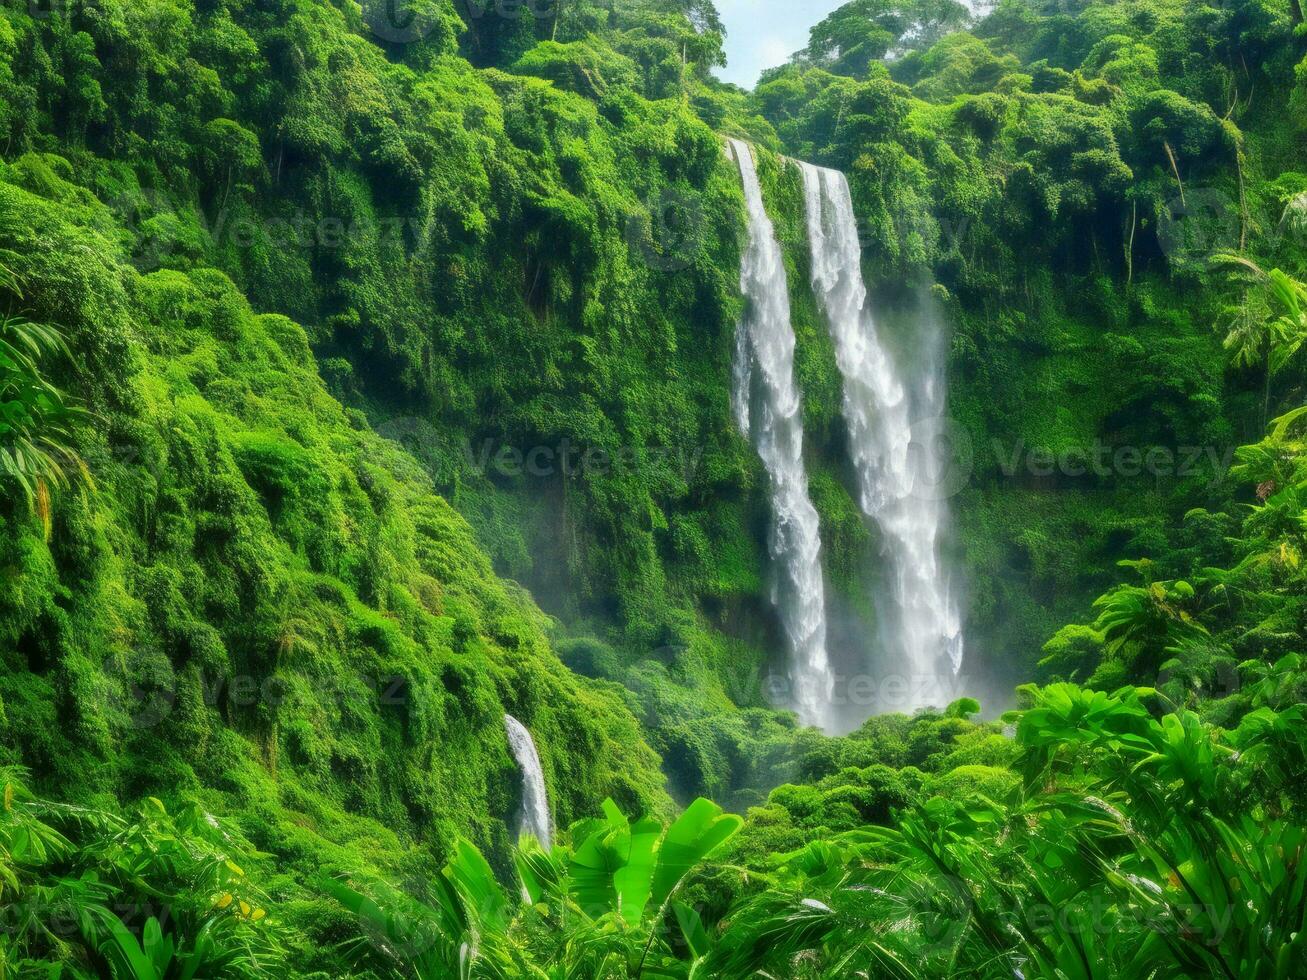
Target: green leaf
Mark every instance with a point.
(696, 936)
(540, 874)
(120, 947)
(699, 831)
(592, 867)
(475, 881)
(633, 881)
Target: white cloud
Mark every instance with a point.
(762, 34)
(775, 51)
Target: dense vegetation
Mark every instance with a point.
(1069, 177)
(324, 325)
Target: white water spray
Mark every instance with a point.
(768, 410)
(892, 455)
(535, 800)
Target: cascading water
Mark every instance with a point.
(767, 407)
(535, 800)
(891, 454)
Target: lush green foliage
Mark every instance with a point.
(525, 273)
(263, 606)
(1070, 175)
(260, 572)
(36, 418)
(1121, 844)
(1131, 845)
(148, 896)
(601, 906)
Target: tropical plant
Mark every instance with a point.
(156, 955)
(1141, 625)
(37, 420)
(74, 880)
(1134, 849)
(1270, 326)
(600, 906)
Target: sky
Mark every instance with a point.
(764, 33)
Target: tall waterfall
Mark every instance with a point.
(767, 408)
(535, 800)
(891, 454)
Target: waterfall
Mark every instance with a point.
(768, 410)
(534, 819)
(892, 456)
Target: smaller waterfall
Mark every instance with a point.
(534, 819)
(768, 410)
(890, 450)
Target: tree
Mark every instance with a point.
(1140, 625)
(65, 866)
(855, 35)
(1269, 326)
(1128, 850)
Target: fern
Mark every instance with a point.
(38, 421)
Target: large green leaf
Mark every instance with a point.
(696, 936)
(476, 883)
(699, 831)
(634, 880)
(120, 948)
(542, 873)
(592, 867)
